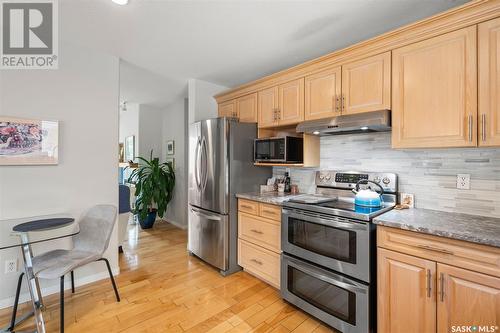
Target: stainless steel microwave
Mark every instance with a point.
(286, 149)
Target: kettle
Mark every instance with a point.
(367, 197)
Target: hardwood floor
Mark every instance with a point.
(163, 289)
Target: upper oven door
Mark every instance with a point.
(340, 244)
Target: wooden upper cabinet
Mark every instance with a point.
(434, 92)
(267, 105)
(366, 84)
(323, 94)
(466, 298)
(291, 102)
(228, 109)
(489, 83)
(406, 293)
(246, 108)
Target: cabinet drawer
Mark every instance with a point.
(272, 212)
(260, 262)
(247, 206)
(476, 257)
(259, 231)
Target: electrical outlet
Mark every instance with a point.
(10, 266)
(463, 181)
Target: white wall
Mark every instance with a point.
(202, 105)
(150, 129)
(175, 128)
(83, 94)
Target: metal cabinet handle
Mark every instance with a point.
(337, 104)
(429, 282)
(470, 127)
(246, 206)
(441, 287)
(257, 231)
(258, 262)
(435, 249)
(279, 113)
(483, 126)
(343, 103)
(268, 212)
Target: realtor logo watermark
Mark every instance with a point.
(29, 38)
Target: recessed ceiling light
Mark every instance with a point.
(316, 132)
(364, 128)
(120, 2)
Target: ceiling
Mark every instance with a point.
(164, 43)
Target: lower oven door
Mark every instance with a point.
(336, 300)
(337, 243)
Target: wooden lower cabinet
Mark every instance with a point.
(407, 284)
(466, 298)
(259, 240)
(425, 295)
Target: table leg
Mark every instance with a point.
(33, 285)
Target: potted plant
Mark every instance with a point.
(154, 185)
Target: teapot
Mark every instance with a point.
(368, 197)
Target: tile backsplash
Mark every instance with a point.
(430, 174)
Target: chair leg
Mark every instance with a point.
(61, 301)
(72, 282)
(16, 303)
(112, 278)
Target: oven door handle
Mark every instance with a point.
(327, 222)
(327, 277)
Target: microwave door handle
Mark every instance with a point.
(326, 222)
(327, 278)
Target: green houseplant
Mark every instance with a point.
(154, 185)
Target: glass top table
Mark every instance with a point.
(24, 233)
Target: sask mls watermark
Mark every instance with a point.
(29, 38)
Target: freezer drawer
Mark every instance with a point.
(208, 236)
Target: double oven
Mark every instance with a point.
(328, 266)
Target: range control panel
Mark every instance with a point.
(348, 179)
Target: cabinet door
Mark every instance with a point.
(434, 92)
(246, 107)
(323, 94)
(489, 83)
(267, 104)
(227, 109)
(466, 298)
(406, 293)
(291, 102)
(366, 84)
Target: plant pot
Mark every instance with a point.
(149, 221)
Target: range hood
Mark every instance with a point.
(377, 121)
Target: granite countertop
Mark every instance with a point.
(471, 228)
(273, 198)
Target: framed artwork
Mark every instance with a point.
(170, 147)
(129, 148)
(121, 152)
(171, 160)
(28, 142)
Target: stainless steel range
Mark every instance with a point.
(328, 263)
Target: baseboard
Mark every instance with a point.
(8, 302)
(177, 224)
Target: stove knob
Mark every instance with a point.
(376, 179)
(386, 180)
(321, 177)
(328, 177)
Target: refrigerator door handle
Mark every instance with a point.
(196, 162)
(207, 216)
(204, 151)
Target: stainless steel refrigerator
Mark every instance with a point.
(220, 165)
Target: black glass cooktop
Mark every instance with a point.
(349, 206)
